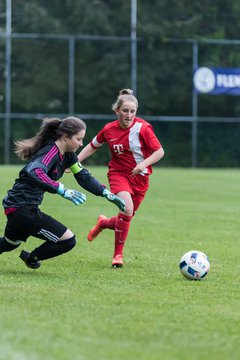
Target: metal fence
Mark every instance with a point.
(132, 42)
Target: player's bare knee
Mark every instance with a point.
(67, 235)
(128, 212)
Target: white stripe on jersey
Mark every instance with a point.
(135, 145)
(96, 143)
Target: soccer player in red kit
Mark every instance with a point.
(134, 148)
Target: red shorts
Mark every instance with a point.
(136, 185)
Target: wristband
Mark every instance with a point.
(60, 189)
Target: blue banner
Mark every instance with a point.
(216, 81)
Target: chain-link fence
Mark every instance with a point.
(55, 64)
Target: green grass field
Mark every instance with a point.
(76, 307)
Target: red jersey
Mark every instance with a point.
(128, 147)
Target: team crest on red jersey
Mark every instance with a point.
(118, 148)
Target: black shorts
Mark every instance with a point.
(30, 221)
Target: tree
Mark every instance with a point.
(103, 66)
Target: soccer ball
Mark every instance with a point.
(194, 265)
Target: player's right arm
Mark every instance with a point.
(86, 152)
(93, 146)
(37, 171)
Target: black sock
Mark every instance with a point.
(6, 246)
(50, 249)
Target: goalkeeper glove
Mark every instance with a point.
(73, 195)
(114, 199)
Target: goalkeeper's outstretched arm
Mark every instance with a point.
(91, 184)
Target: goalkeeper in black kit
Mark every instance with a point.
(49, 153)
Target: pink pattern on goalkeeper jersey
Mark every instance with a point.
(50, 155)
(44, 178)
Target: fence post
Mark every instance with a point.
(71, 75)
(194, 110)
(134, 46)
(8, 47)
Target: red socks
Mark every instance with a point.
(109, 223)
(122, 226)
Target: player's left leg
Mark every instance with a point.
(121, 230)
(51, 249)
(46, 251)
(122, 226)
(58, 240)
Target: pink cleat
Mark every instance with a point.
(117, 261)
(95, 231)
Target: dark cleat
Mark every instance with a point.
(29, 261)
(117, 266)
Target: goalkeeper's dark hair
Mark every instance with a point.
(51, 129)
(124, 95)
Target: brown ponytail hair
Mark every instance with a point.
(51, 129)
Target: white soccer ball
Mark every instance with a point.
(194, 265)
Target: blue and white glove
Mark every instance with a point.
(114, 199)
(73, 195)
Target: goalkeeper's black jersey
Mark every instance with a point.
(42, 173)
